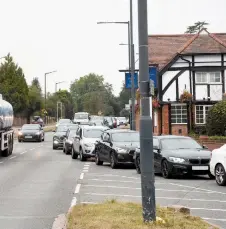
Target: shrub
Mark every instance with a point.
(199, 130)
(216, 120)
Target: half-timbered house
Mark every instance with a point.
(192, 65)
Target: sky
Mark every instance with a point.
(63, 35)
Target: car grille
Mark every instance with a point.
(199, 161)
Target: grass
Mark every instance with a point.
(49, 128)
(122, 215)
(217, 137)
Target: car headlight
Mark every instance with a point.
(120, 150)
(37, 133)
(88, 145)
(177, 159)
(20, 133)
(70, 142)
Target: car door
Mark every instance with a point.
(157, 155)
(65, 139)
(107, 147)
(77, 140)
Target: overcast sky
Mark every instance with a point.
(63, 35)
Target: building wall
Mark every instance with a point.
(179, 129)
(165, 119)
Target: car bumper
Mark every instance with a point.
(30, 139)
(89, 152)
(125, 158)
(212, 169)
(180, 169)
(58, 143)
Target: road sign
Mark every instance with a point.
(152, 88)
(153, 75)
(128, 80)
(127, 106)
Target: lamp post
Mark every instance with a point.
(146, 135)
(47, 73)
(131, 61)
(57, 84)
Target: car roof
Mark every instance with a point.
(171, 137)
(111, 131)
(95, 127)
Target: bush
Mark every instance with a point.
(216, 120)
(199, 130)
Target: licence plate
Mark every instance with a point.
(200, 167)
(28, 136)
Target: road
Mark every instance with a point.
(36, 185)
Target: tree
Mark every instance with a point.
(196, 27)
(91, 94)
(124, 97)
(216, 119)
(13, 85)
(124, 113)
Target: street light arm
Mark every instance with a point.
(112, 22)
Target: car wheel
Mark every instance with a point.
(113, 161)
(137, 164)
(165, 170)
(63, 149)
(73, 154)
(19, 140)
(97, 160)
(40, 139)
(220, 175)
(82, 158)
(54, 147)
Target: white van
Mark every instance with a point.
(81, 117)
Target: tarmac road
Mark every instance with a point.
(36, 185)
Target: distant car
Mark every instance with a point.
(84, 142)
(117, 147)
(63, 122)
(59, 136)
(68, 140)
(31, 132)
(122, 121)
(38, 120)
(177, 155)
(109, 122)
(98, 120)
(81, 117)
(218, 165)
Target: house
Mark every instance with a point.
(192, 65)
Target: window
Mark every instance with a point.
(201, 113)
(208, 77)
(178, 114)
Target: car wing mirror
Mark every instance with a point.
(204, 147)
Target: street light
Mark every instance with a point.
(47, 73)
(57, 84)
(131, 59)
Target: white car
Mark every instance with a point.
(218, 165)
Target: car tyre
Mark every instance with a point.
(82, 158)
(137, 164)
(97, 160)
(54, 147)
(73, 154)
(113, 161)
(19, 140)
(165, 170)
(211, 176)
(220, 175)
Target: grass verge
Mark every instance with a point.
(49, 128)
(122, 215)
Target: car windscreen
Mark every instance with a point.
(30, 127)
(73, 127)
(81, 116)
(179, 143)
(64, 121)
(125, 137)
(62, 129)
(92, 133)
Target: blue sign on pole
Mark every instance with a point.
(153, 74)
(128, 80)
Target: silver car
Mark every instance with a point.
(85, 140)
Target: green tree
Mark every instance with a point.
(196, 27)
(124, 97)
(216, 119)
(13, 85)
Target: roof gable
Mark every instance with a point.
(163, 48)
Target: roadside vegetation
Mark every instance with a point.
(122, 215)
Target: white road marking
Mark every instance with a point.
(12, 157)
(23, 152)
(73, 202)
(192, 187)
(209, 209)
(32, 149)
(85, 170)
(77, 188)
(111, 175)
(224, 220)
(157, 189)
(159, 197)
(81, 176)
(86, 165)
(118, 181)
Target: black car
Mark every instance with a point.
(177, 155)
(117, 147)
(69, 138)
(59, 136)
(31, 132)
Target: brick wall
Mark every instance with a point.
(177, 128)
(165, 119)
(137, 117)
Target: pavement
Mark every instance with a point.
(36, 185)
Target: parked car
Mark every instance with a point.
(38, 120)
(98, 120)
(117, 147)
(218, 165)
(84, 142)
(59, 136)
(63, 122)
(122, 121)
(109, 122)
(31, 132)
(177, 155)
(68, 140)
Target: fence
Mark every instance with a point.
(20, 121)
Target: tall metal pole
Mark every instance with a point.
(45, 90)
(133, 122)
(146, 137)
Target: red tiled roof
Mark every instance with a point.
(163, 48)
